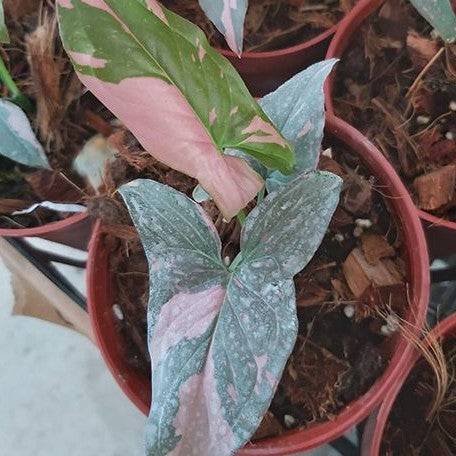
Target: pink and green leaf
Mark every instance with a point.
(228, 16)
(297, 109)
(183, 101)
(219, 338)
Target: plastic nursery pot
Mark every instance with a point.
(263, 72)
(376, 424)
(73, 231)
(440, 233)
(137, 387)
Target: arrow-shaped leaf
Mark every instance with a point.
(228, 16)
(440, 14)
(183, 101)
(219, 339)
(4, 37)
(297, 110)
(17, 139)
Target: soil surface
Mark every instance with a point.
(353, 288)
(272, 24)
(411, 429)
(63, 117)
(397, 84)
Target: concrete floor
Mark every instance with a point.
(56, 395)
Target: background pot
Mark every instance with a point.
(440, 233)
(263, 72)
(376, 424)
(137, 388)
(73, 231)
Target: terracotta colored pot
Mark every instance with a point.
(137, 387)
(73, 231)
(440, 233)
(263, 72)
(376, 424)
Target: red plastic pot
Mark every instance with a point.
(263, 72)
(376, 424)
(73, 231)
(440, 233)
(137, 387)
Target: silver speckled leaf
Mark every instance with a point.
(296, 108)
(440, 14)
(17, 139)
(219, 338)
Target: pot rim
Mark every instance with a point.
(46, 228)
(339, 44)
(306, 439)
(376, 424)
(286, 51)
(289, 50)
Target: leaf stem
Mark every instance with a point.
(241, 217)
(260, 197)
(17, 96)
(236, 262)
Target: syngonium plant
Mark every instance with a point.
(229, 16)
(219, 334)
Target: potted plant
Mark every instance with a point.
(396, 84)
(418, 413)
(268, 41)
(236, 343)
(43, 124)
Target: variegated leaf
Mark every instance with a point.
(228, 16)
(4, 37)
(297, 109)
(17, 139)
(183, 101)
(219, 338)
(440, 14)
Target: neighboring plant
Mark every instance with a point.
(183, 101)
(219, 334)
(4, 37)
(18, 141)
(228, 16)
(440, 14)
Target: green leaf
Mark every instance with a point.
(440, 14)
(4, 37)
(18, 141)
(219, 339)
